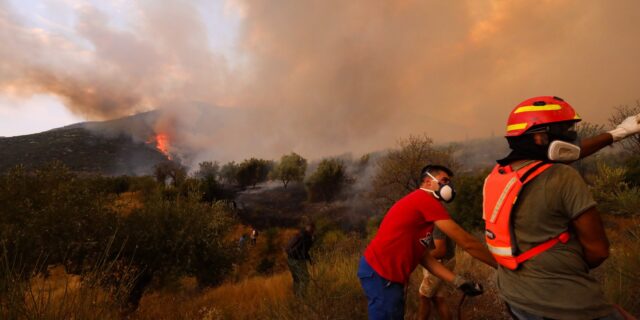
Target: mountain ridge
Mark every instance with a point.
(112, 147)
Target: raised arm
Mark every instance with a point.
(591, 145)
(466, 241)
(628, 127)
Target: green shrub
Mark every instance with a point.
(467, 207)
(632, 176)
(626, 201)
(613, 193)
(55, 215)
(622, 270)
(52, 216)
(327, 182)
(184, 238)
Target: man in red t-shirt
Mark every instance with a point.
(403, 242)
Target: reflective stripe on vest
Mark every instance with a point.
(501, 190)
(500, 251)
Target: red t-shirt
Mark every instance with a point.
(400, 242)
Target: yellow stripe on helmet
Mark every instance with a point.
(548, 107)
(517, 126)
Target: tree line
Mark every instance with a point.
(219, 182)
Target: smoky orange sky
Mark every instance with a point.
(327, 77)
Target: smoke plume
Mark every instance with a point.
(327, 77)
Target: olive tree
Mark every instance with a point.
(398, 172)
(229, 173)
(326, 183)
(207, 176)
(253, 171)
(170, 170)
(165, 239)
(291, 167)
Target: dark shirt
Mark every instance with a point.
(450, 252)
(556, 283)
(299, 246)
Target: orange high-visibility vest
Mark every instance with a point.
(501, 190)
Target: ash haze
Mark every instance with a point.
(262, 78)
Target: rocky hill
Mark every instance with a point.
(106, 147)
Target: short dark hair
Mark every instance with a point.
(433, 168)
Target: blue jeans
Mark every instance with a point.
(386, 298)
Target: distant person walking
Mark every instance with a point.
(254, 236)
(242, 240)
(297, 256)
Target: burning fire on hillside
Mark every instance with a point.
(161, 141)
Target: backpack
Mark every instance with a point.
(501, 190)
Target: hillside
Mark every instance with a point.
(96, 147)
(480, 153)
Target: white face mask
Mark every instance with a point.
(446, 192)
(563, 151)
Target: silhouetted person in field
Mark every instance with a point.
(297, 256)
(242, 240)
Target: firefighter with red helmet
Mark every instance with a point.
(541, 222)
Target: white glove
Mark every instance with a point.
(629, 126)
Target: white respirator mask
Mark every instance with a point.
(562, 151)
(446, 192)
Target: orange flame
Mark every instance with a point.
(162, 144)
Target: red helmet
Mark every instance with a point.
(536, 111)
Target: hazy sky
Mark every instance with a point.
(50, 21)
(315, 77)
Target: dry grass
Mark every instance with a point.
(265, 248)
(127, 202)
(486, 306)
(334, 293)
(621, 272)
(58, 296)
(248, 299)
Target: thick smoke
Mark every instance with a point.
(113, 72)
(327, 77)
